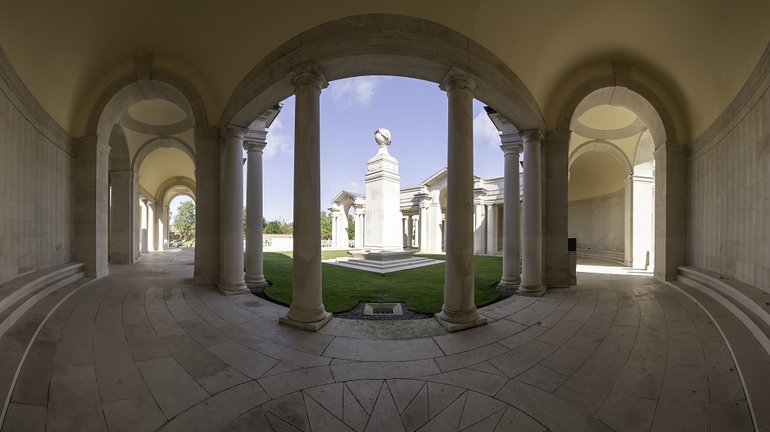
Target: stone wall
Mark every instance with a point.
(598, 223)
(35, 177)
(728, 226)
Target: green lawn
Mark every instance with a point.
(422, 289)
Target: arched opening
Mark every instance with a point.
(383, 45)
(627, 124)
(143, 110)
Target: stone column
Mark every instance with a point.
(254, 144)
(424, 238)
(307, 309)
(532, 259)
(91, 205)
(491, 229)
(207, 193)
(122, 214)
(405, 231)
(158, 224)
(145, 226)
(231, 278)
(670, 210)
(359, 215)
(480, 227)
(459, 310)
(150, 225)
(556, 274)
(166, 224)
(410, 231)
(512, 148)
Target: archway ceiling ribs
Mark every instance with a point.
(383, 45)
(159, 143)
(175, 186)
(146, 83)
(612, 134)
(637, 98)
(603, 147)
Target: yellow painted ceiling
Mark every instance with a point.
(157, 112)
(606, 117)
(163, 164)
(595, 174)
(702, 51)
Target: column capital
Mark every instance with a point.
(232, 131)
(255, 141)
(457, 79)
(532, 135)
(512, 144)
(206, 132)
(310, 75)
(91, 142)
(558, 136)
(672, 147)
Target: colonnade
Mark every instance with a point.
(307, 310)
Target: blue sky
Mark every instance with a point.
(414, 111)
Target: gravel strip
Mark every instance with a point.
(357, 312)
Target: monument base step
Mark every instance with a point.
(383, 266)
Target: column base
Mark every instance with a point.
(531, 290)
(233, 289)
(509, 283)
(311, 326)
(454, 327)
(256, 281)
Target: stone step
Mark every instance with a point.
(749, 304)
(19, 295)
(746, 338)
(31, 312)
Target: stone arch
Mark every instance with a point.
(157, 143)
(174, 187)
(145, 82)
(602, 146)
(632, 95)
(383, 45)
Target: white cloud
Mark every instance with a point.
(484, 131)
(278, 142)
(353, 92)
(353, 187)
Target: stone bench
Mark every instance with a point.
(741, 313)
(748, 303)
(19, 295)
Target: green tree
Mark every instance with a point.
(244, 220)
(185, 220)
(272, 227)
(326, 225)
(351, 227)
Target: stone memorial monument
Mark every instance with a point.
(383, 191)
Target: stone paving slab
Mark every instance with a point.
(142, 350)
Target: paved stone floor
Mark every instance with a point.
(144, 350)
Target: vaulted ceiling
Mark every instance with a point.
(700, 51)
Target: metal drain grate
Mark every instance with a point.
(383, 309)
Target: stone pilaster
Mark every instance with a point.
(254, 144)
(459, 310)
(231, 278)
(307, 309)
(207, 181)
(556, 274)
(158, 225)
(670, 210)
(512, 147)
(122, 223)
(532, 257)
(91, 205)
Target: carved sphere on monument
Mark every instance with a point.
(382, 137)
